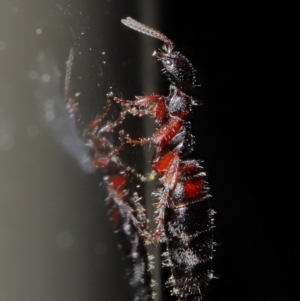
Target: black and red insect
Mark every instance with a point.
(184, 218)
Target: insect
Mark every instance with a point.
(125, 209)
(184, 217)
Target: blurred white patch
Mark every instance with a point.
(46, 78)
(52, 112)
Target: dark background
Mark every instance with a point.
(246, 133)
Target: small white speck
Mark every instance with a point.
(33, 75)
(64, 240)
(77, 94)
(82, 33)
(104, 62)
(138, 186)
(103, 53)
(2, 45)
(46, 78)
(32, 130)
(38, 31)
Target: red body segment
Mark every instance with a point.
(193, 188)
(160, 110)
(161, 164)
(167, 132)
(116, 182)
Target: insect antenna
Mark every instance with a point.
(69, 65)
(70, 102)
(149, 31)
